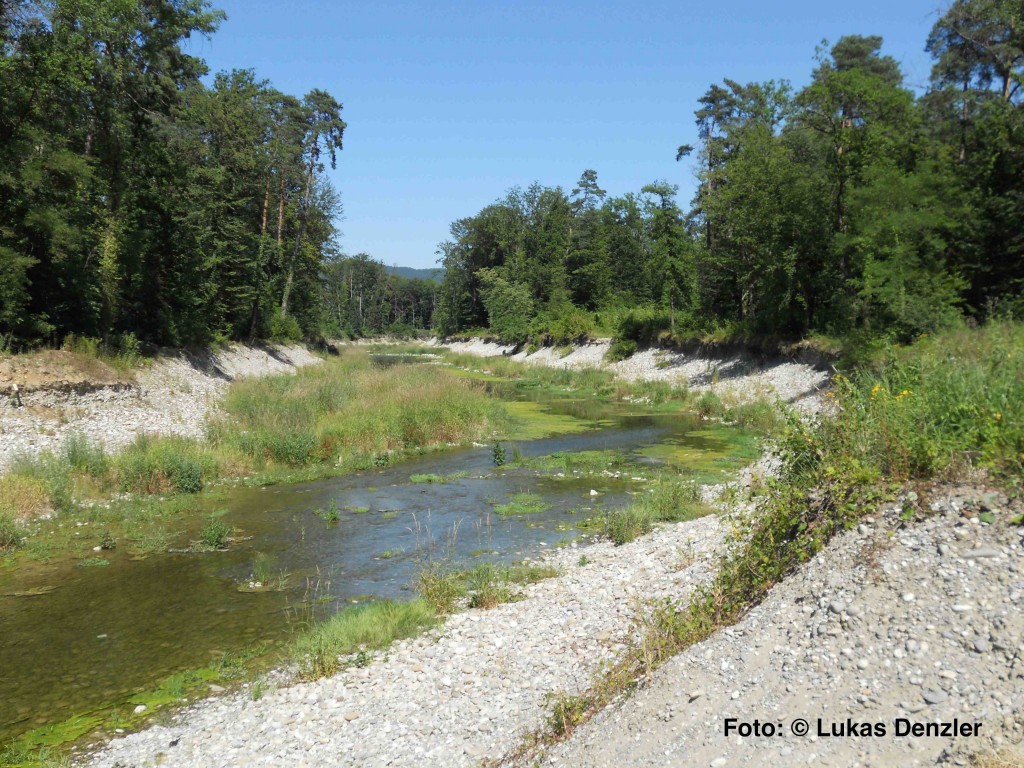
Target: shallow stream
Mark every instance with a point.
(75, 640)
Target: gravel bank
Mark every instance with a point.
(170, 396)
(733, 377)
(450, 698)
(923, 622)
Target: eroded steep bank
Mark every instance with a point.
(734, 376)
(60, 395)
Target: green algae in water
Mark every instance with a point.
(707, 455)
(584, 462)
(535, 420)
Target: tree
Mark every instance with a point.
(324, 132)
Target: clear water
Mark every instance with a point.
(104, 633)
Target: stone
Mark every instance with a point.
(981, 552)
(934, 696)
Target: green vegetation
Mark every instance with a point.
(318, 415)
(291, 427)
(523, 503)
(216, 534)
(853, 208)
(330, 513)
(45, 746)
(165, 465)
(373, 626)
(576, 462)
(11, 535)
(936, 409)
(485, 585)
(671, 499)
(436, 479)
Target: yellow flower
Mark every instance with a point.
(874, 390)
(998, 416)
(903, 394)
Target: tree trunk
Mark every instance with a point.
(290, 270)
(280, 213)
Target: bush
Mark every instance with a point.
(284, 329)
(643, 325)
(620, 349)
(566, 325)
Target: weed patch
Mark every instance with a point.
(522, 504)
(318, 651)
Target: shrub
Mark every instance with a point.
(620, 349)
(284, 329)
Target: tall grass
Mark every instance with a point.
(349, 407)
(670, 500)
(933, 408)
(11, 535)
(165, 465)
(318, 650)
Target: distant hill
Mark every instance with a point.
(433, 273)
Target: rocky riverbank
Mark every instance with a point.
(920, 620)
(735, 377)
(903, 624)
(61, 395)
(459, 694)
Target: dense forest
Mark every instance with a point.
(852, 206)
(140, 201)
(136, 202)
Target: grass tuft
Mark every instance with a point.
(318, 651)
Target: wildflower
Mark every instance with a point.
(874, 390)
(998, 416)
(903, 394)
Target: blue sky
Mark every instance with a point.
(449, 104)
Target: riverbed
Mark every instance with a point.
(82, 638)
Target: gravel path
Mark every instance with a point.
(732, 377)
(170, 396)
